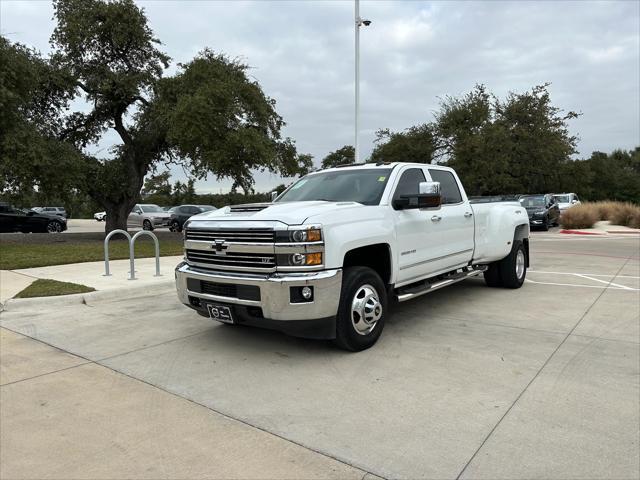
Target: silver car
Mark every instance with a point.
(148, 217)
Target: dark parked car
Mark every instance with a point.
(16, 220)
(181, 214)
(543, 210)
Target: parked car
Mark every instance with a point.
(15, 220)
(324, 259)
(100, 216)
(52, 211)
(181, 214)
(148, 217)
(542, 209)
(566, 200)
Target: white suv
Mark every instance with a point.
(566, 200)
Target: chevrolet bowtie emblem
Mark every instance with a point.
(220, 247)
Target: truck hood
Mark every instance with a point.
(291, 213)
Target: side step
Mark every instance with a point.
(427, 286)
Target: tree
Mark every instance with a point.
(32, 161)
(210, 116)
(342, 156)
(415, 144)
(498, 147)
(158, 184)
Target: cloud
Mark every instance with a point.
(413, 52)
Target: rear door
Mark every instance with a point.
(453, 225)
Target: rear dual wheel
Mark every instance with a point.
(509, 272)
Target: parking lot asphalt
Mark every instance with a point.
(467, 382)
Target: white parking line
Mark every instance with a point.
(610, 284)
(590, 274)
(626, 289)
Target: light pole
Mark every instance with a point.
(359, 22)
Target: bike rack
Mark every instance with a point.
(132, 255)
(132, 241)
(106, 250)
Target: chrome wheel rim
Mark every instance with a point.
(53, 227)
(520, 262)
(366, 310)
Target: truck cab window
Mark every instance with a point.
(409, 183)
(448, 186)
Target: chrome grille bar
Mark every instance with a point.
(258, 261)
(230, 235)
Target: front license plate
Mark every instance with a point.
(220, 313)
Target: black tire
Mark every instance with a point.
(175, 226)
(492, 275)
(513, 268)
(545, 225)
(146, 225)
(54, 227)
(353, 332)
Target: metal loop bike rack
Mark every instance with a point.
(106, 250)
(132, 254)
(132, 241)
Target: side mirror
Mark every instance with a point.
(274, 195)
(428, 198)
(574, 201)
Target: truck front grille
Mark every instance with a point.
(232, 260)
(257, 235)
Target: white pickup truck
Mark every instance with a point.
(327, 256)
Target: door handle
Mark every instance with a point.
(467, 214)
(436, 218)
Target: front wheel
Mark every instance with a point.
(54, 227)
(146, 225)
(362, 309)
(175, 226)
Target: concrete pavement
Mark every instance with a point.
(467, 382)
(71, 418)
(12, 283)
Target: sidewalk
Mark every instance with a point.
(603, 228)
(91, 274)
(67, 417)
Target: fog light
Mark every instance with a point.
(307, 293)
(298, 259)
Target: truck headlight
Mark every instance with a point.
(310, 235)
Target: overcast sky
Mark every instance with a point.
(302, 53)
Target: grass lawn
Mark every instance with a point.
(51, 288)
(14, 255)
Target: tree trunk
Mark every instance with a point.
(117, 215)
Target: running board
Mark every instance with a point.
(407, 293)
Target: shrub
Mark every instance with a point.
(584, 215)
(626, 214)
(587, 214)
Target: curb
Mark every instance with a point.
(628, 232)
(579, 232)
(17, 304)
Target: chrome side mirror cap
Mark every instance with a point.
(429, 188)
(274, 195)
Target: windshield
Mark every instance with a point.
(562, 198)
(151, 209)
(206, 208)
(532, 202)
(362, 185)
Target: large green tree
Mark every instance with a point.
(341, 156)
(209, 117)
(416, 144)
(519, 144)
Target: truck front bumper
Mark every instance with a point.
(272, 307)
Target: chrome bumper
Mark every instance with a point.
(274, 291)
